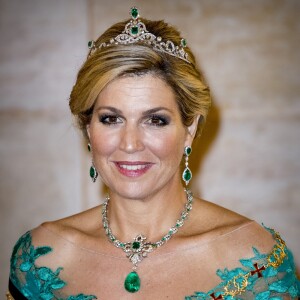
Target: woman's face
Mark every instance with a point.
(137, 136)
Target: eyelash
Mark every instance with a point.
(104, 119)
(163, 121)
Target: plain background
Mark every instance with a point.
(248, 157)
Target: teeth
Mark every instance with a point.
(133, 167)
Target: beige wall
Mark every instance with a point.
(248, 158)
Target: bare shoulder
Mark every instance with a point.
(76, 228)
(215, 224)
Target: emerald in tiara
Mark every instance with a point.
(135, 31)
(134, 13)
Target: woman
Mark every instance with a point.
(140, 101)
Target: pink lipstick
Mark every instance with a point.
(133, 169)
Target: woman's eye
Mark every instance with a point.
(110, 119)
(158, 121)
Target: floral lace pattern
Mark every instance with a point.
(36, 282)
(262, 277)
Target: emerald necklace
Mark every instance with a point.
(138, 249)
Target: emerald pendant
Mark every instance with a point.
(187, 175)
(92, 172)
(132, 282)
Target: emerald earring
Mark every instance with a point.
(93, 171)
(187, 173)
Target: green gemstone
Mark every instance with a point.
(187, 174)
(183, 43)
(89, 147)
(134, 12)
(136, 245)
(132, 282)
(187, 150)
(134, 30)
(91, 44)
(92, 172)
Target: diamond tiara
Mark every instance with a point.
(135, 31)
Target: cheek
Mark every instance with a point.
(103, 143)
(167, 146)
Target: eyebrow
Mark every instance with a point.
(155, 110)
(113, 109)
(145, 113)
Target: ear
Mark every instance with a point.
(191, 131)
(88, 130)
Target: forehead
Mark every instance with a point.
(144, 92)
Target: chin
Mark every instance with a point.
(134, 191)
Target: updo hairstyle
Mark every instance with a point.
(109, 63)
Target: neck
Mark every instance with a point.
(151, 217)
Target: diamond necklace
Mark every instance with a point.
(138, 249)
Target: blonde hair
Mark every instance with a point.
(107, 64)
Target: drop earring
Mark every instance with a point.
(187, 173)
(93, 171)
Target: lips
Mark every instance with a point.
(133, 169)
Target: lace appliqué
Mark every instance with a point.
(36, 282)
(262, 277)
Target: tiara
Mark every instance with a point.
(135, 31)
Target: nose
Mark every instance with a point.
(131, 139)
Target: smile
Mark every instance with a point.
(133, 169)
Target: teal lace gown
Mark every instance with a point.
(263, 276)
